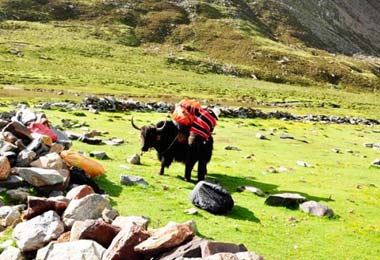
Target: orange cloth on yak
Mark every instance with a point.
(184, 111)
(91, 167)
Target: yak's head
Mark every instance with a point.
(149, 135)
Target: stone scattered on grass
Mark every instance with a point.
(368, 145)
(191, 211)
(376, 163)
(254, 190)
(261, 136)
(286, 136)
(335, 150)
(232, 148)
(133, 180)
(316, 209)
(100, 155)
(290, 200)
(134, 159)
(304, 164)
(211, 197)
(114, 141)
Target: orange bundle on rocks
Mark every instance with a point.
(91, 167)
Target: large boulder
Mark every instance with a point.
(89, 207)
(211, 197)
(39, 177)
(80, 249)
(37, 232)
(166, 238)
(123, 245)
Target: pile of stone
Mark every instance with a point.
(59, 212)
(97, 104)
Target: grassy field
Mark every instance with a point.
(344, 182)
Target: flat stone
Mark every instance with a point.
(286, 136)
(122, 221)
(261, 136)
(81, 249)
(12, 181)
(368, 145)
(254, 190)
(133, 180)
(190, 249)
(335, 150)
(316, 209)
(290, 200)
(114, 141)
(232, 148)
(191, 211)
(166, 238)
(209, 248)
(39, 177)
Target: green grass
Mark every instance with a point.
(353, 234)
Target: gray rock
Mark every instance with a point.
(134, 159)
(335, 150)
(254, 190)
(368, 145)
(12, 181)
(37, 232)
(39, 177)
(191, 211)
(114, 141)
(290, 200)
(24, 158)
(286, 136)
(316, 209)
(376, 163)
(100, 155)
(211, 197)
(88, 207)
(133, 180)
(80, 249)
(209, 248)
(261, 136)
(232, 148)
(109, 214)
(11, 253)
(18, 195)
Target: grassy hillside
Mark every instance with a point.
(96, 36)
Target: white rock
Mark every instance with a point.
(38, 231)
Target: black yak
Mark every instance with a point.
(171, 145)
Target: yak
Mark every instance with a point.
(171, 145)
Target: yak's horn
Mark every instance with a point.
(133, 124)
(162, 127)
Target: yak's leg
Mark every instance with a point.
(202, 169)
(189, 167)
(162, 170)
